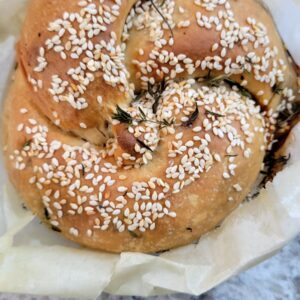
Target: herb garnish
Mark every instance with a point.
(244, 92)
(192, 118)
(54, 228)
(216, 81)
(83, 169)
(231, 155)
(272, 166)
(143, 145)
(142, 114)
(273, 163)
(161, 252)
(134, 234)
(277, 89)
(248, 60)
(155, 92)
(213, 113)
(162, 15)
(46, 213)
(138, 96)
(166, 123)
(286, 116)
(124, 117)
(27, 143)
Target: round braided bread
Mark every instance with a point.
(140, 125)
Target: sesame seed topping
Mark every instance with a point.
(188, 119)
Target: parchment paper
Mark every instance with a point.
(36, 260)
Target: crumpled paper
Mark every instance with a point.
(36, 260)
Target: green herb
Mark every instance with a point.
(280, 160)
(217, 80)
(46, 213)
(134, 234)
(165, 123)
(231, 155)
(211, 80)
(241, 89)
(161, 14)
(27, 144)
(83, 169)
(248, 60)
(122, 116)
(255, 194)
(263, 172)
(138, 96)
(286, 120)
(99, 130)
(161, 252)
(155, 92)
(192, 118)
(272, 165)
(143, 145)
(213, 113)
(142, 114)
(277, 89)
(287, 116)
(54, 228)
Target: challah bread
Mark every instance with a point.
(140, 125)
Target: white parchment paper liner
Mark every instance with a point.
(36, 260)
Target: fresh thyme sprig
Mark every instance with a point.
(27, 143)
(273, 161)
(192, 118)
(231, 155)
(277, 89)
(289, 116)
(46, 213)
(83, 169)
(244, 92)
(55, 228)
(139, 96)
(155, 92)
(214, 80)
(161, 14)
(209, 112)
(143, 145)
(272, 166)
(248, 60)
(124, 117)
(217, 80)
(134, 234)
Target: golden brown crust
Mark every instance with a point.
(200, 207)
(189, 150)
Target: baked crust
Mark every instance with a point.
(170, 174)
